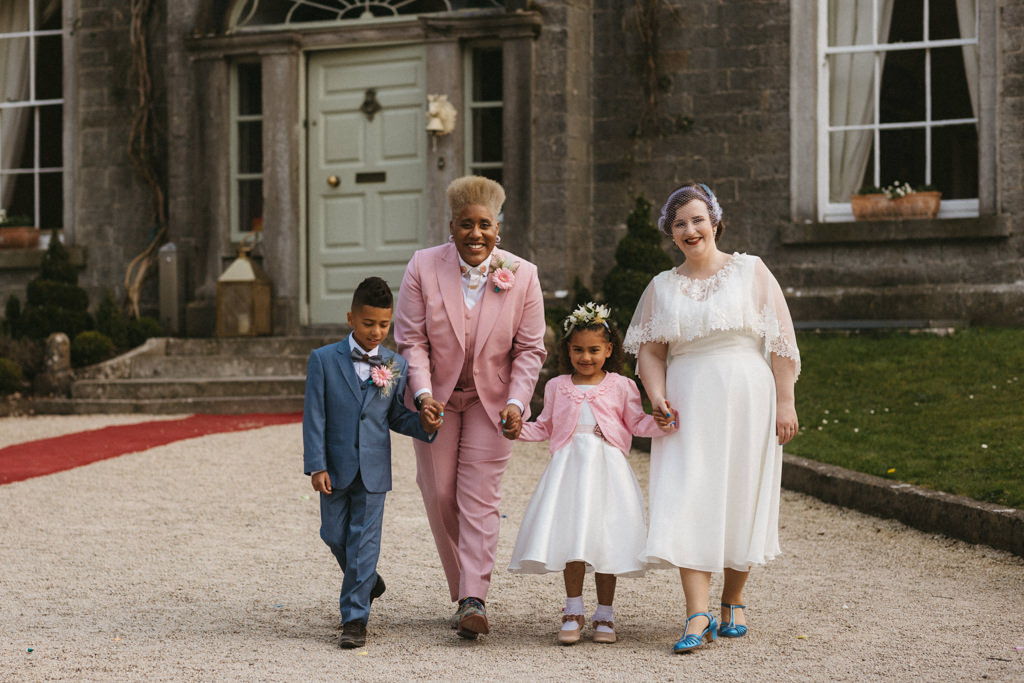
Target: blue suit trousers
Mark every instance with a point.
(350, 524)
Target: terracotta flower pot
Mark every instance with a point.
(21, 237)
(869, 207)
(919, 205)
(878, 207)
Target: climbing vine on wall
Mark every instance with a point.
(647, 21)
(145, 144)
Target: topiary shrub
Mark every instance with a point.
(28, 354)
(141, 329)
(12, 326)
(10, 376)
(111, 321)
(57, 264)
(556, 314)
(54, 301)
(90, 347)
(638, 257)
(39, 322)
(57, 295)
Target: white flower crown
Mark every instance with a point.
(585, 315)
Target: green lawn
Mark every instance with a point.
(941, 412)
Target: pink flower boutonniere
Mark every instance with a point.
(503, 274)
(384, 377)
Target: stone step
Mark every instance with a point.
(145, 367)
(170, 375)
(223, 405)
(247, 346)
(185, 388)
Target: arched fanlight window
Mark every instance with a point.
(249, 13)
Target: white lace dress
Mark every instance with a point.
(714, 488)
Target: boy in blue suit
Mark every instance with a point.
(354, 392)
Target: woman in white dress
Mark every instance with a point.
(714, 339)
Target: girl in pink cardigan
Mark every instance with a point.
(587, 513)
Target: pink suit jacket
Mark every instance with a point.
(615, 403)
(430, 320)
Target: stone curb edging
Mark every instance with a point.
(956, 516)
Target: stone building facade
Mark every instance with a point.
(266, 119)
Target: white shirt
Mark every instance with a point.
(471, 296)
(362, 369)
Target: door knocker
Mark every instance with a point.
(370, 105)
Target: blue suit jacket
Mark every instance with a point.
(345, 425)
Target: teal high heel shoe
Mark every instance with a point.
(732, 629)
(694, 640)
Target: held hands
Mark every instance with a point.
(786, 423)
(431, 414)
(321, 482)
(665, 416)
(511, 421)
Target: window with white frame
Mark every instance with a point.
(898, 100)
(31, 111)
(484, 112)
(246, 150)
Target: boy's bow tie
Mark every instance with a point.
(360, 357)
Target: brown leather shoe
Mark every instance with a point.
(571, 636)
(472, 619)
(353, 634)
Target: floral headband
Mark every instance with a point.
(586, 315)
(684, 195)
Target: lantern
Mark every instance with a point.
(243, 300)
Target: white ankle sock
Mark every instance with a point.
(573, 606)
(604, 613)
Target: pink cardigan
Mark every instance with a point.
(615, 403)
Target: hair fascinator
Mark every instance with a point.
(685, 195)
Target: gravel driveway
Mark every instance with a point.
(201, 561)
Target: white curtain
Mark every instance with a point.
(851, 90)
(14, 72)
(966, 14)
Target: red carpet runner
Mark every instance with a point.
(46, 456)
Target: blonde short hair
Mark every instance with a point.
(474, 189)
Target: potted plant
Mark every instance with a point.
(898, 201)
(17, 232)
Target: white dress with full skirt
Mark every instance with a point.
(714, 487)
(587, 507)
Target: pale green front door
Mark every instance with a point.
(366, 171)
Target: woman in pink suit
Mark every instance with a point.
(470, 321)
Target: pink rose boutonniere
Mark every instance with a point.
(384, 377)
(503, 274)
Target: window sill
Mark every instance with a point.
(32, 259)
(983, 227)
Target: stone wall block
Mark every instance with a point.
(776, 34)
(94, 97)
(93, 148)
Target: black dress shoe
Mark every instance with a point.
(378, 588)
(353, 634)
